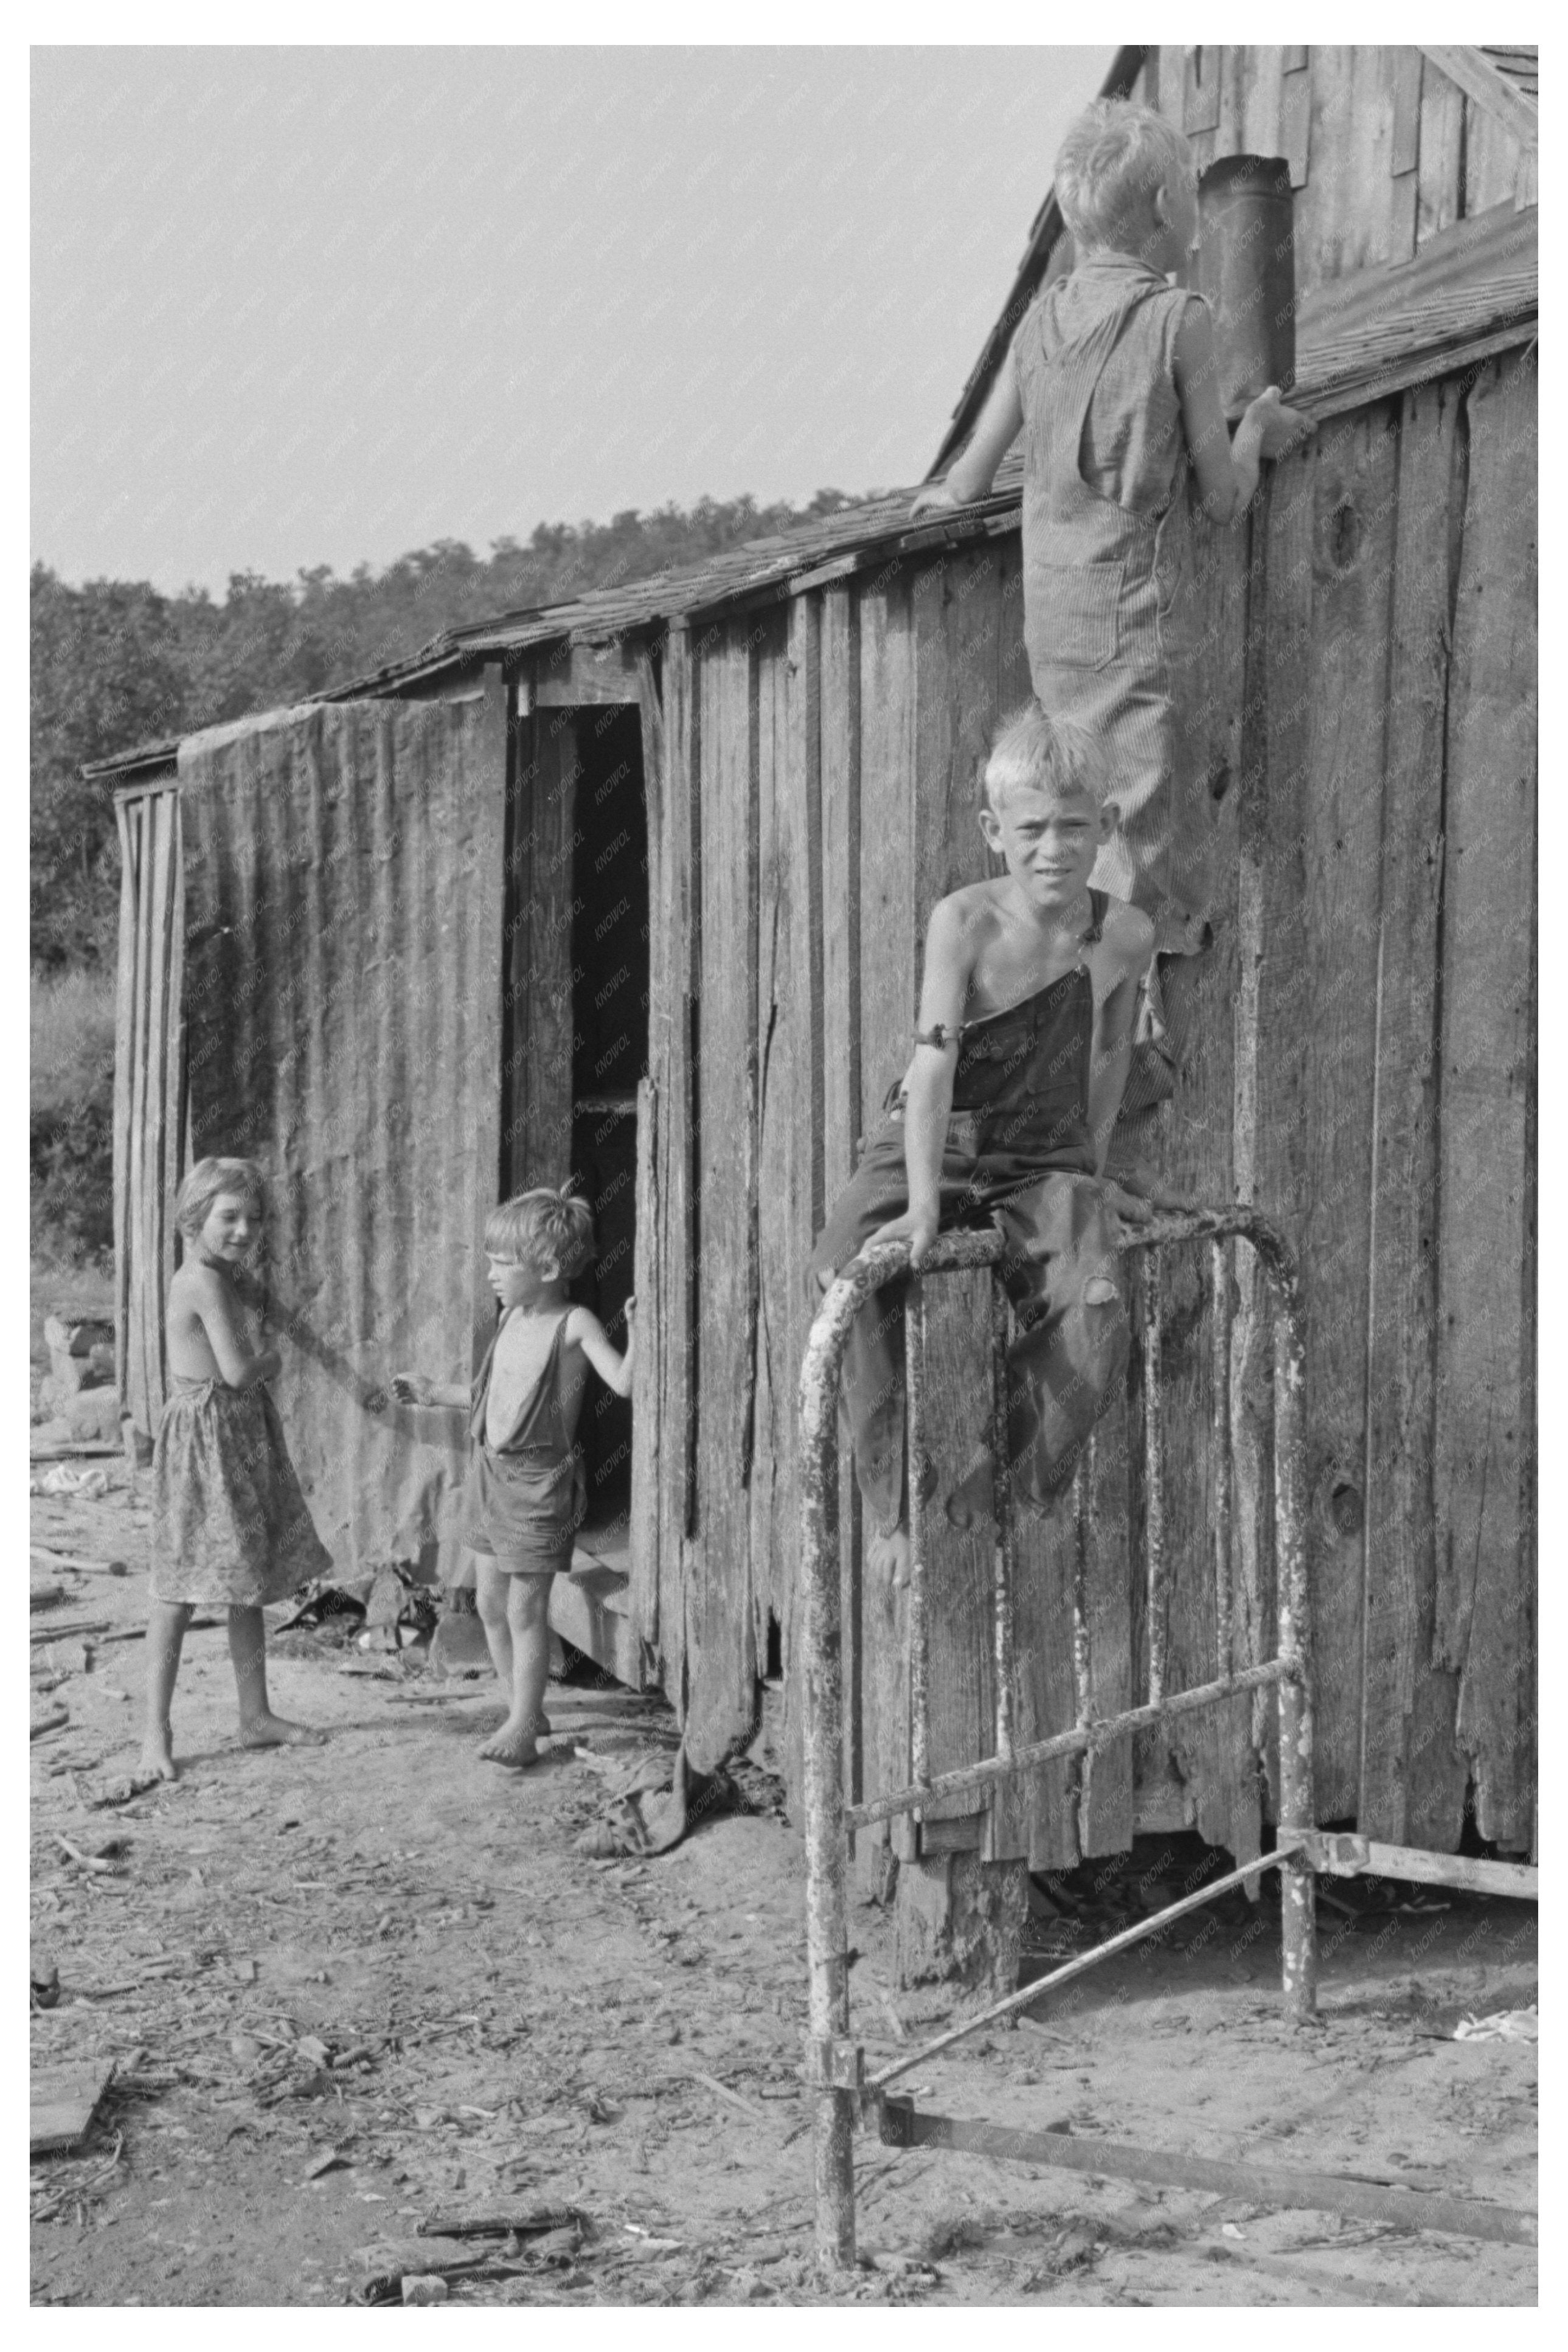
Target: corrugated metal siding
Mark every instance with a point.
(342, 890)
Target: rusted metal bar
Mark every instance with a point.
(1002, 1510)
(830, 2065)
(903, 2125)
(919, 1480)
(1299, 1935)
(1154, 1479)
(1219, 1272)
(1027, 1996)
(1077, 1742)
(827, 1943)
(1082, 1659)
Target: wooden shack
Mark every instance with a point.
(634, 888)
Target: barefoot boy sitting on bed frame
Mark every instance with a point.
(1006, 1113)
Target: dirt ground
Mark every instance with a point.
(384, 1953)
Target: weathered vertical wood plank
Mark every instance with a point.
(1212, 1751)
(1353, 542)
(800, 972)
(1296, 128)
(1346, 209)
(1441, 166)
(1263, 74)
(958, 1538)
(723, 1672)
(1410, 1768)
(840, 736)
(1046, 1699)
(1491, 158)
(887, 969)
(1203, 73)
(839, 903)
(1485, 1444)
(780, 1018)
(1404, 150)
(889, 941)
(1106, 1809)
(1405, 82)
(1235, 75)
(546, 1074)
(1171, 83)
(651, 1454)
(674, 1018)
(128, 823)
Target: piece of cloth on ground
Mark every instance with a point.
(659, 1801)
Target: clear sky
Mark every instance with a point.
(296, 306)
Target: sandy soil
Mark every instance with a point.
(384, 1952)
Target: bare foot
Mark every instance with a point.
(273, 1731)
(512, 1744)
(888, 1555)
(156, 1761)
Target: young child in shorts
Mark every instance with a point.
(230, 1528)
(1021, 1055)
(1112, 380)
(523, 1497)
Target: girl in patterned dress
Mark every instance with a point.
(230, 1528)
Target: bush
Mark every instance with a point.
(72, 1116)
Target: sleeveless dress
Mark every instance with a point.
(230, 1526)
(523, 1499)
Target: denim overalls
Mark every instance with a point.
(1109, 619)
(1019, 1155)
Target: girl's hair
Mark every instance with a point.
(1109, 164)
(1051, 754)
(541, 1228)
(206, 1180)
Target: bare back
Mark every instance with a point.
(201, 1298)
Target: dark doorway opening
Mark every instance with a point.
(609, 1056)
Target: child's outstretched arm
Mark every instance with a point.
(972, 474)
(585, 1330)
(945, 990)
(1226, 470)
(412, 1387)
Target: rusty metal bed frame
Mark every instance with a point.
(843, 2094)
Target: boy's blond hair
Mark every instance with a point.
(542, 1228)
(1109, 166)
(207, 1182)
(1049, 754)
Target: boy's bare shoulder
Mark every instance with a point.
(965, 910)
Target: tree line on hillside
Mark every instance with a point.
(115, 664)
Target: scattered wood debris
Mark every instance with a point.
(62, 2104)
